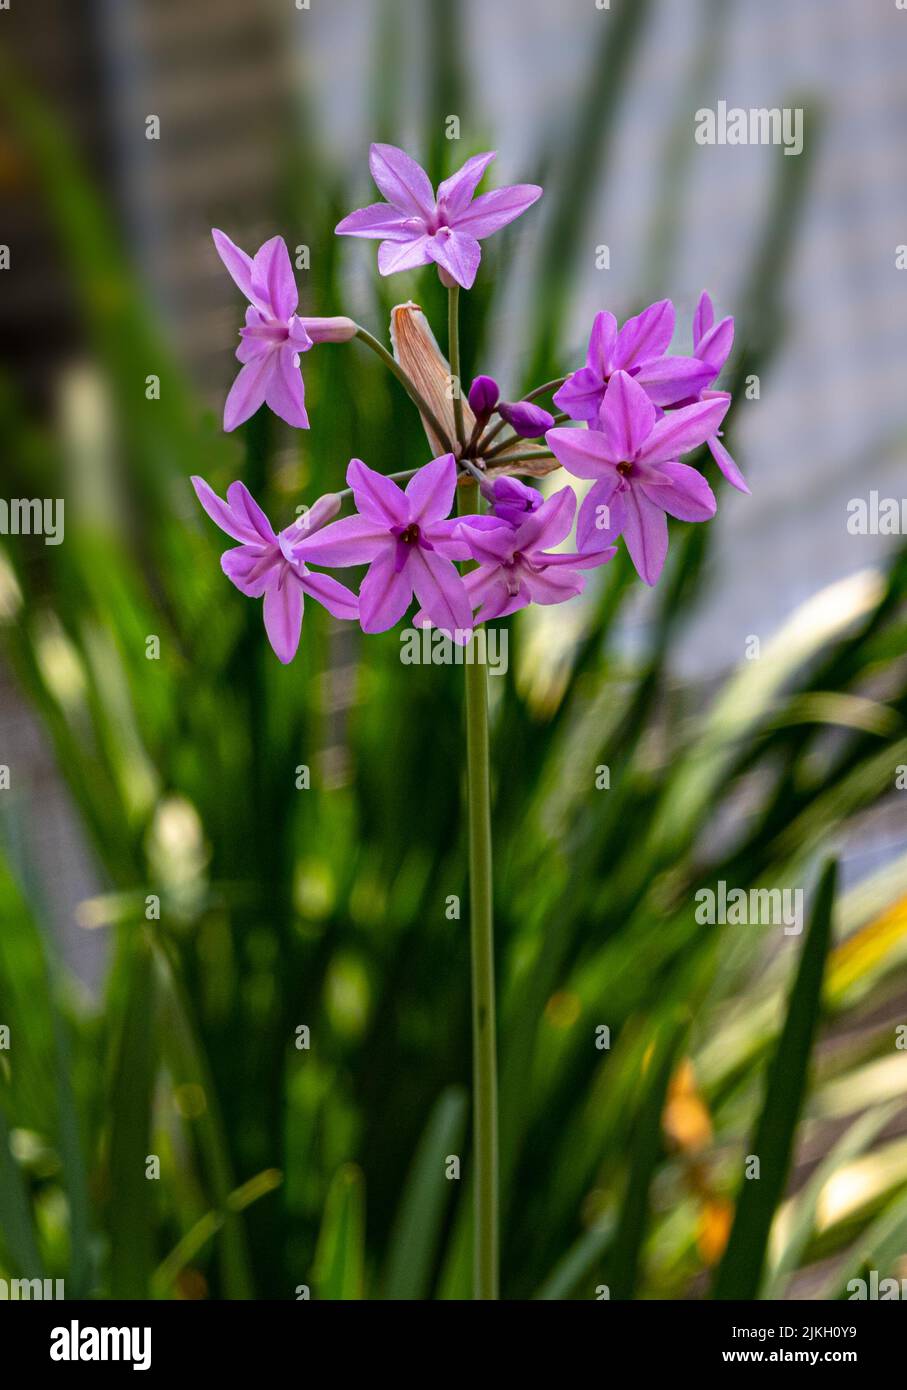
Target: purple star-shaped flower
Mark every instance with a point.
(517, 568)
(633, 459)
(263, 565)
(273, 336)
(408, 543)
(416, 228)
(640, 350)
(712, 343)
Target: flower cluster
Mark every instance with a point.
(635, 409)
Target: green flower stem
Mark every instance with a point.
(453, 351)
(481, 933)
(523, 456)
(420, 403)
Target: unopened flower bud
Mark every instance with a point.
(528, 420)
(310, 519)
(512, 500)
(335, 330)
(483, 396)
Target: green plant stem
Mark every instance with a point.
(453, 352)
(481, 935)
(523, 456)
(424, 409)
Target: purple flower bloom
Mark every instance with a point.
(712, 343)
(639, 349)
(515, 566)
(408, 544)
(527, 420)
(483, 396)
(273, 336)
(416, 228)
(512, 500)
(632, 457)
(260, 566)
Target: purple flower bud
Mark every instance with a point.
(512, 500)
(483, 396)
(335, 330)
(527, 419)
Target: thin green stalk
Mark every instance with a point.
(523, 456)
(481, 935)
(419, 401)
(453, 351)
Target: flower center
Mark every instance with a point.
(410, 536)
(625, 469)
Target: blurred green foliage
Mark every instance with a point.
(280, 908)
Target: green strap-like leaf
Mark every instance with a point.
(740, 1273)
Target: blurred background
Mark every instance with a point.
(173, 910)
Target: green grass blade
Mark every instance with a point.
(131, 1213)
(339, 1271)
(417, 1227)
(740, 1272)
(17, 1233)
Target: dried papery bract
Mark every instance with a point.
(416, 349)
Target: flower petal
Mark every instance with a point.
(251, 568)
(715, 346)
(403, 182)
(249, 390)
(581, 395)
(727, 464)
(645, 531)
(602, 344)
(377, 220)
(549, 524)
(222, 514)
(237, 262)
(554, 587)
(286, 390)
(703, 318)
(458, 253)
(394, 256)
(385, 593)
(283, 615)
(248, 512)
(491, 211)
(431, 490)
(602, 515)
(682, 430)
(670, 379)
(272, 278)
(331, 594)
(680, 491)
(647, 335)
(377, 496)
(455, 193)
(354, 540)
(441, 593)
(584, 453)
(626, 417)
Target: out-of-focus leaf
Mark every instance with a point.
(339, 1271)
(740, 1272)
(17, 1233)
(417, 1228)
(131, 1193)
